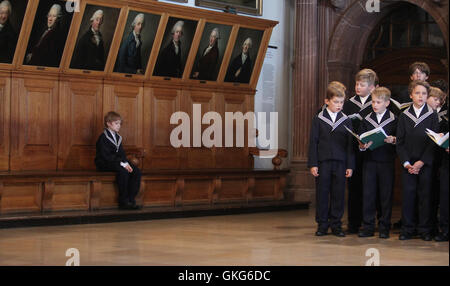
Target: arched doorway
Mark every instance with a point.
(406, 35)
(347, 47)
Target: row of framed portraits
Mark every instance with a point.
(106, 37)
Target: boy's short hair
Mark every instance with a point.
(413, 84)
(382, 92)
(423, 67)
(368, 76)
(436, 92)
(441, 84)
(338, 84)
(335, 89)
(111, 117)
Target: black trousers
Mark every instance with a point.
(330, 194)
(435, 193)
(378, 177)
(355, 194)
(128, 183)
(417, 188)
(443, 213)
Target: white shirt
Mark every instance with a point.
(418, 111)
(96, 36)
(113, 133)
(1, 27)
(244, 58)
(437, 109)
(207, 50)
(333, 115)
(380, 116)
(363, 99)
(177, 48)
(136, 38)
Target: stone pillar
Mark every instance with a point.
(305, 98)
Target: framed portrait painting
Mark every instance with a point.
(211, 50)
(95, 38)
(251, 7)
(11, 19)
(49, 34)
(175, 47)
(137, 42)
(244, 55)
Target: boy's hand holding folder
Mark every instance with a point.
(372, 139)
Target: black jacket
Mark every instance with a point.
(129, 59)
(108, 153)
(90, 56)
(8, 42)
(413, 144)
(246, 70)
(169, 62)
(206, 64)
(330, 141)
(385, 153)
(48, 50)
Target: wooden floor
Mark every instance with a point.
(275, 238)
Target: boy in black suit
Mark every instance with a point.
(443, 198)
(417, 71)
(378, 168)
(435, 100)
(110, 157)
(416, 152)
(357, 108)
(331, 161)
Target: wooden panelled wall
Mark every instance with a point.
(50, 118)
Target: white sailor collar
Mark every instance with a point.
(325, 117)
(426, 112)
(388, 117)
(109, 137)
(357, 100)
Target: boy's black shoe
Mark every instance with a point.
(384, 234)
(125, 206)
(365, 233)
(426, 237)
(405, 236)
(352, 230)
(441, 237)
(321, 232)
(135, 207)
(338, 232)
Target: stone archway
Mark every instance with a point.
(349, 37)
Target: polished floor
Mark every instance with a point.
(275, 238)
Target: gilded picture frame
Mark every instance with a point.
(253, 7)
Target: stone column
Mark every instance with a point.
(305, 98)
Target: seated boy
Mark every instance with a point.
(110, 157)
(416, 152)
(331, 161)
(378, 168)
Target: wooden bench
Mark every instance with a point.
(50, 191)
